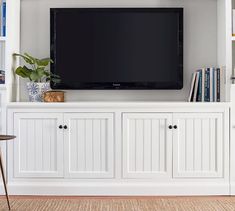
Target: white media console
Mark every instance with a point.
(112, 148)
(125, 148)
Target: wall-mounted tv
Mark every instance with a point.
(117, 48)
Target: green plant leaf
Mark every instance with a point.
(24, 72)
(26, 59)
(48, 74)
(55, 80)
(34, 76)
(37, 73)
(33, 59)
(44, 62)
(54, 75)
(40, 72)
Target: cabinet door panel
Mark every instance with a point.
(147, 149)
(89, 145)
(198, 145)
(38, 148)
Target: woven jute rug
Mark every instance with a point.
(120, 204)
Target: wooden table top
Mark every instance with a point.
(6, 137)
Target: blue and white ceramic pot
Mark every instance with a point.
(36, 91)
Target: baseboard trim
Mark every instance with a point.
(118, 189)
(2, 192)
(232, 189)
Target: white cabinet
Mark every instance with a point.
(198, 145)
(43, 145)
(119, 149)
(89, 144)
(198, 148)
(38, 148)
(147, 145)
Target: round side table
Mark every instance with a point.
(5, 138)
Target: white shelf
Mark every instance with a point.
(2, 38)
(118, 104)
(233, 38)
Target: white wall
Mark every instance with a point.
(200, 40)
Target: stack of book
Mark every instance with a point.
(2, 77)
(3, 8)
(208, 85)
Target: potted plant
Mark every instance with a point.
(38, 75)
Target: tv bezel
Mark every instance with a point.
(115, 85)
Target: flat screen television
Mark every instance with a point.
(117, 48)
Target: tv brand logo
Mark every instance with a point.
(117, 85)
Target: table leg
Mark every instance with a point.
(4, 180)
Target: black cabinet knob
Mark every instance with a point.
(65, 127)
(175, 127)
(170, 127)
(60, 126)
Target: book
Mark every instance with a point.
(218, 84)
(1, 19)
(211, 84)
(192, 87)
(4, 19)
(2, 77)
(195, 93)
(203, 84)
(199, 94)
(215, 85)
(207, 85)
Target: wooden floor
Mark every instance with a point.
(29, 203)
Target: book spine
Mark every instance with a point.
(190, 99)
(0, 19)
(1, 29)
(218, 85)
(215, 85)
(4, 7)
(199, 95)
(203, 84)
(196, 87)
(207, 85)
(205, 91)
(211, 84)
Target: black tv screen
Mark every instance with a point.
(117, 48)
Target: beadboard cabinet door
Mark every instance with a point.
(89, 143)
(198, 145)
(38, 148)
(147, 145)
